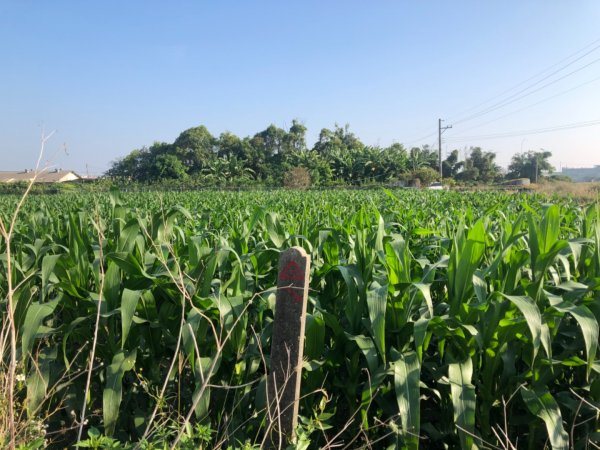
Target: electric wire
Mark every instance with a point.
(526, 132)
(455, 117)
(511, 100)
(532, 105)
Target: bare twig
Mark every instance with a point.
(96, 327)
(7, 233)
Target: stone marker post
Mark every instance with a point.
(287, 346)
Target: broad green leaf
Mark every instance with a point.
(463, 401)
(589, 328)
(533, 318)
(39, 379)
(48, 264)
(352, 305)
(377, 301)
(275, 230)
(129, 301)
(425, 289)
(541, 403)
(367, 347)
(407, 374)
(314, 340)
(113, 388)
(128, 264)
(465, 259)
(112, 285)
(36, 313)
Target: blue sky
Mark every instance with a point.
(114, 76)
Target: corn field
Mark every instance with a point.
(436, 320)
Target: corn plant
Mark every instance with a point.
(436, 319)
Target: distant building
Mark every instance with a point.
(582, 174)
(46, 176)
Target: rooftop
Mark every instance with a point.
(42, 176)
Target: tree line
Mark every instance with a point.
(276, 156)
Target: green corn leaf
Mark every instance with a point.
(36, 313)
(275, 230)
(533, 318)
(407, 375)
(113, 388)
(397, 258)
(463, 401)
(425, 289)
(39, 379)
(128, 264)
(208, 273)
(188, 336)
(48, 263)
(352, 307)
(377, 301)
(541, 403)
(367, 347)
(112, 285)
(480, 286)
(419, 333)
(314, 340)
(464, 260)
(128, 236)
(589, 328)
(129, 301)
(380, 232)
(67, 333)
(549, 229)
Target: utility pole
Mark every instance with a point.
(440, 129)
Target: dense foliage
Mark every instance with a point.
(337, 157)
(437, 319)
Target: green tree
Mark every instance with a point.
(530, 165)
(270, 142)
(133, 166)
(221, 171)
(229, 145)
(295, 139)
(394, 161)
(451, 165)
(338, 139)
(480, 166)
(423, 156)
(426, 175)
(195, 147)
(167, 166)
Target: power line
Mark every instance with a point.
(533, 104)
(416, 141)
(526, 132)
(535, 76)
(511, 100)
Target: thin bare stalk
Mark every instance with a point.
(179, 282)
(7, 234)
(96, 328)
(211, 369)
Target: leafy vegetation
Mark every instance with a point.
(436, 319)
(338, 157)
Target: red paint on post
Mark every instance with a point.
(292, 272)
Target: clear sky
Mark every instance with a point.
(112, 76)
